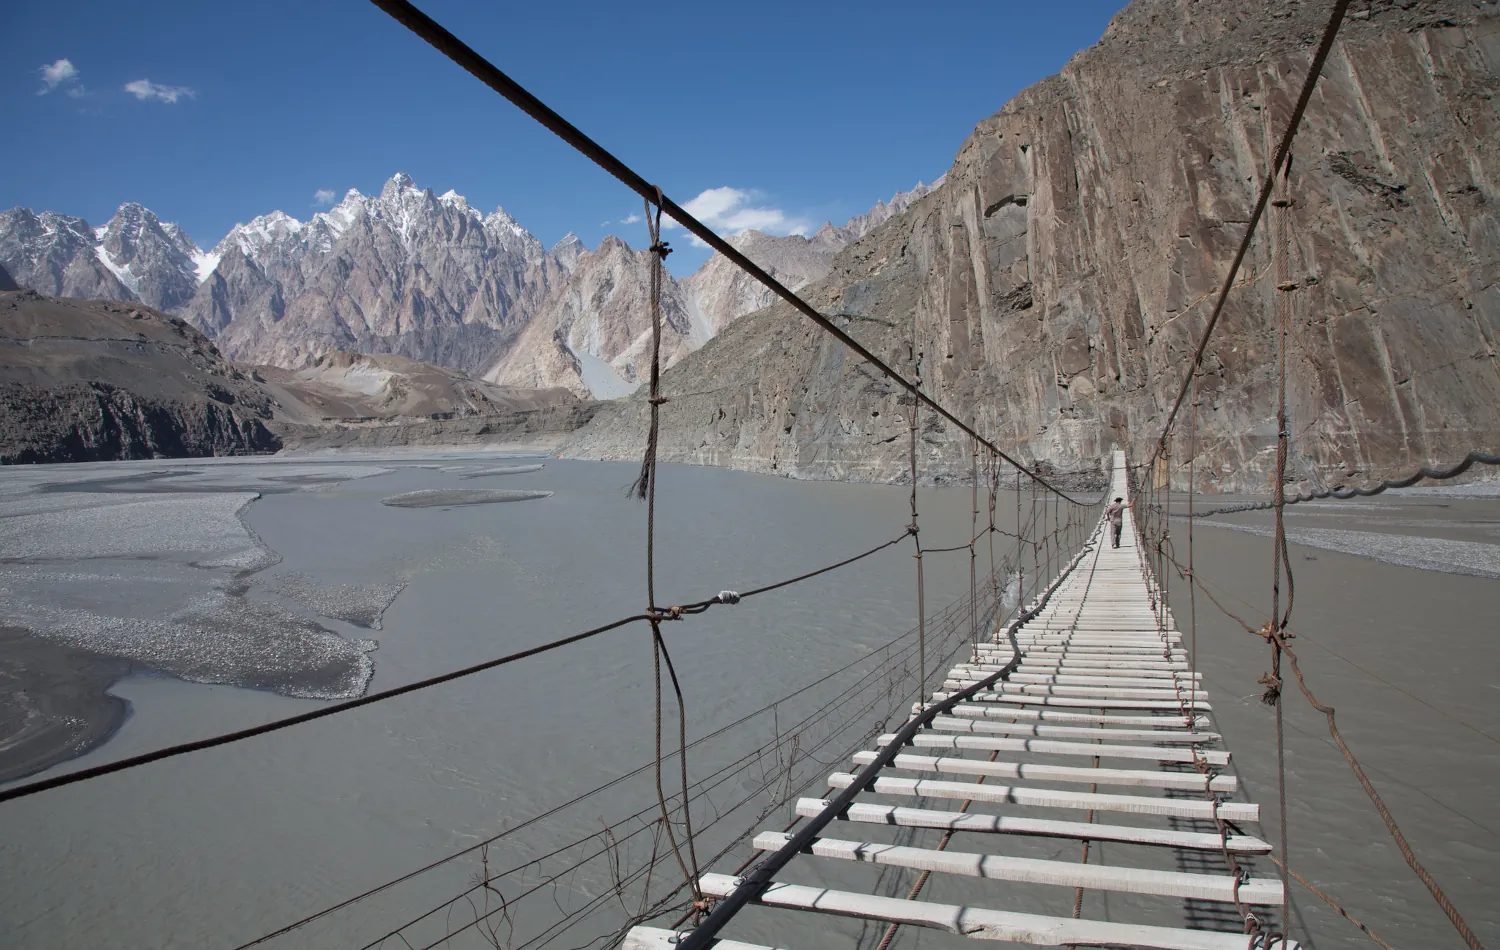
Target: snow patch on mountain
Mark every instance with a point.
(122, 274)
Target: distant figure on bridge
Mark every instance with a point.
(1116, 514)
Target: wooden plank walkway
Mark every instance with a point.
(1101, 677)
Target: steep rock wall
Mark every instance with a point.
(1056, 283)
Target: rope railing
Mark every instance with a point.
(897, 651)
(952, 620)
(1342, 493)
(239, 735)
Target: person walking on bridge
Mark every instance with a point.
(1116, 515)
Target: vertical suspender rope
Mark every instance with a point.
(1192, 488)
(645, 487)
(973, 534)
(1283, 313)
(915, 536)
(1020, 555)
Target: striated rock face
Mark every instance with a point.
(593, 333)
(1058, 280)
(92, 381)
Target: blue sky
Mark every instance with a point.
(210, 114)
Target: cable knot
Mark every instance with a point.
(1272, 683)
(659, 400)
(728, 597)
(671, 613)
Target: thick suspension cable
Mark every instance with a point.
(198, 745)
(486, 72)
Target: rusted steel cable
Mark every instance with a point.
(1281, 559)
(703, 785)
(1433, 887)
(1422, 873)
(1283, 150)
(754, 884)
(916, 406)
(333, 710)
(1344, 494)
(486, 72)
(921, 882)
(645, 487)
(1331, 903)
(671, 613)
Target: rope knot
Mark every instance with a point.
(671, 613)
(728, 597)
(659, 400)
(660, 249)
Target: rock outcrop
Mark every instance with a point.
(84, 381)
(1059, 279)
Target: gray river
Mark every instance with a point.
(207, 596)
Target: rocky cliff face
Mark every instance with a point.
(85, 381)
(411, 273)
(1060, 277)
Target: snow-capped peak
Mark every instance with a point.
(250, 239)
(500, 221)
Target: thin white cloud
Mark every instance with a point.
(733, 210)
(631, 218)
(146, 89)
(60, 73)
(324, 197)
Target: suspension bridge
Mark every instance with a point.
(1093, 670)
(1089, 683)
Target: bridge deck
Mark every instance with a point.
(1101, 677)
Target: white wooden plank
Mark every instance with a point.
(971, 821)
(1133, 778)
(1101, 877)
(934, 740)
(1086, 676)
(1079, 702)
(979, 922)
(1106, 692)
(956, 724)
(1015, 713)
(655, 938)
(1055, 798)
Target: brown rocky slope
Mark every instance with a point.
(88, 380)
(84, 381)
(1058, 280)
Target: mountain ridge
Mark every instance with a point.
(415, 274)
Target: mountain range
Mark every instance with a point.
(415, 274)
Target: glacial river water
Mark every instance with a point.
(315, 589)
